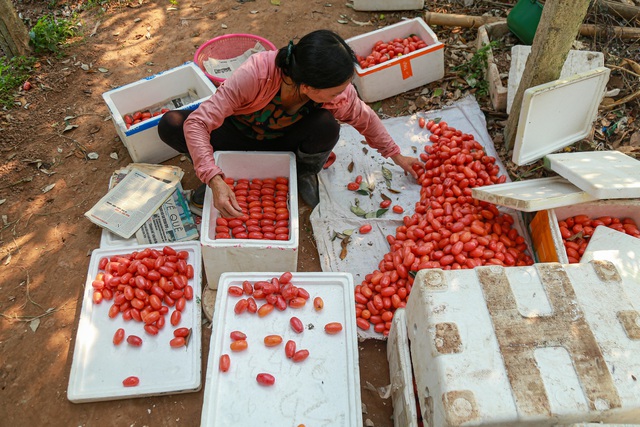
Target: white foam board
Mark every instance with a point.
(557, 114)
(324, 389)
(602, 174)
(533, 195)
(99, 367)
(607, 244)
(404, 400)
(578, 61)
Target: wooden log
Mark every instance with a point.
(470, 21)
(626, 11)
(453, 20)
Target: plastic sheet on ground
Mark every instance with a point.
(333, 213)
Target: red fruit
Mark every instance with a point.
(225, 362)
(26, 85)
(365, 229)
(333, 328)
(265, 379)
(296, 325)
(131, 381)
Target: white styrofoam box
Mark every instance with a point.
(225, 255)
(578, 61)
(602, 174)
(399, 74)
(324, 389)
(542, 345)
(533, 194)
(616, 208)
(111, 240)
(99, 367)
(557, 114)
(373, 5)
(142, 140)
(400, 372)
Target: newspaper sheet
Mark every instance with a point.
(173, 221)
(223, 68)
(128, 205)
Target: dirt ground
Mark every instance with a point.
(46, 241)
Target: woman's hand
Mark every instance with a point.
(224, 199)
(407, 163)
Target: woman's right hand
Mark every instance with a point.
(224, 200)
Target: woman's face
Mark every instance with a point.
(323, 95)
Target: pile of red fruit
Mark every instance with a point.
(449, 229)
(384, 51)
(266, 210)
(141, 116)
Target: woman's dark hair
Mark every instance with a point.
(321, 59)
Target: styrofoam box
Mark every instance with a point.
(401, 373)
(142, 140)
(373, 5)
(227, 255)
(99, 367)
(399, 74)
(620, 208)
(542, 345)
(322, 390)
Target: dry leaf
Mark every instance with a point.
(34, 324)
(350, 167)
(48, 188)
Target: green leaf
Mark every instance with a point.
(358, 211)
(275, 2)
(364, 189)
(371, 214)
(386, 173)
(437, 92)
(381, 212)
(348, 232)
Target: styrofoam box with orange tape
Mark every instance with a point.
(142, 140)
(399, 74)
(373, 5)
(545, 232)
(227, 255)
(543, 345)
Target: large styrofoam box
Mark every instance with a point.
(142, 140)
(399, 74)
(401, 373)
(226, 255)
(542, 345)
(373, 5)
(322, 390)
(545, 231)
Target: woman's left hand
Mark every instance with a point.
(407, 163)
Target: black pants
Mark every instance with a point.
(317, 132)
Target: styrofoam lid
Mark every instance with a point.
(557, 114)
(602, 174)
(533, 195)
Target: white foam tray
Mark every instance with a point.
(607, 244)
(602, 174)
(323, 390)
(98, 367)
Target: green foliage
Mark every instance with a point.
(473, 71)
(13, 72)
(49, 32)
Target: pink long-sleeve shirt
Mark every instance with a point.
(251, 88)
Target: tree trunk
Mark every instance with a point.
(14, 37)
(558, 28)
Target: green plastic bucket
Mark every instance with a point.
(524, 18)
